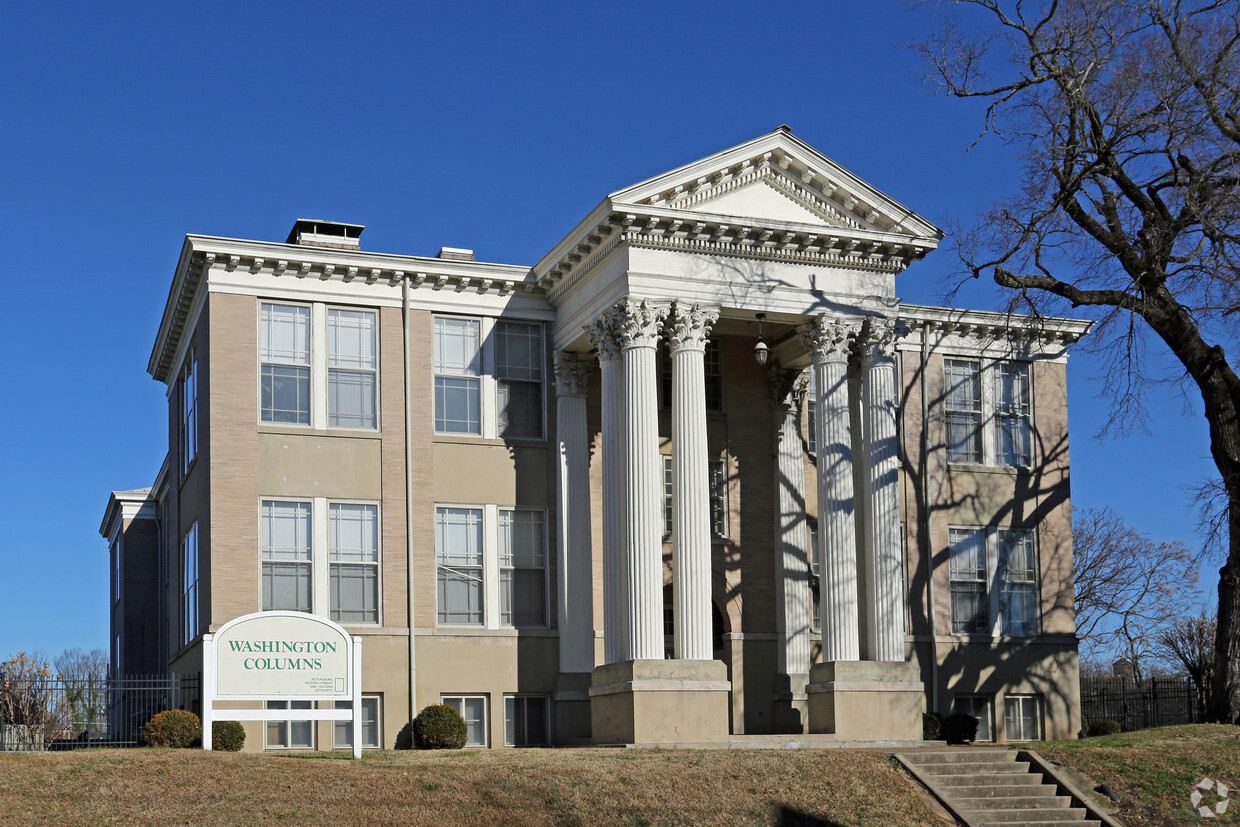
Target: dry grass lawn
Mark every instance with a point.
(494, 787)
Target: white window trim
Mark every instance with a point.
(546, 699)
(188, 432)
(994, 583)
(320, 564)
(318, 368)
(488, 384)
(289, 727)
(1037, 716)
(491, 568)
(378, 699)
(190, 613)
(986, 378)
(486, 713)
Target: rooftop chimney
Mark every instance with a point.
(456, 254)
(313, 233)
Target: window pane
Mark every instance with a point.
(457, 348)
(963, 410)
(970, 605)
(1018, 596)
(286, 586)
(510, 721)
(458, 536)
(668, 487)
(353, 532)
(475, 720)
(285, 530)
(351, 339)
(719, 497)
(286, 394)
(285, 333)
(1012, 423)
(520, 407)
(354, 593)
(350, 399)
(460, 596)
(457, 405)
(713, 368)
(518, 351)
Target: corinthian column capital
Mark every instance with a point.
(603, 337)
(572, 374)
(829, 337)
(637, 323)
(689, 326)
(878, 338)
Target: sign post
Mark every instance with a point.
(288, 656)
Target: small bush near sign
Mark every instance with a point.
(176, 728)
(959, 729)
(439, 727)
(227, 736)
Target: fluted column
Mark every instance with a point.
(615, 572)
(637, 325)
(688, 327)
(829, 339)
(884, 569)
(792, 551)
(572, 485)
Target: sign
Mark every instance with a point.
(282, 656)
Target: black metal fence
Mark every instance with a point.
(47, 714)
(1140, 704)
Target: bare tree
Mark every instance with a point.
(31, 711)
(1127, 586)
(1124, 113)
(84, 676)
(1187, 645)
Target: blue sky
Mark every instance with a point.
(494, 126)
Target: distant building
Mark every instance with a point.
(569, 500)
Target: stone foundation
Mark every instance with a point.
(866, 700)
(572, 708)
(659, 701)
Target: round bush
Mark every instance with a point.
(1104, 727)
(177, 728)
(439, 727)
(227, 736)
(959, 729)
(931, 726)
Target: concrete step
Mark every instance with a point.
(1089, 822)
(1037, 800)
(961, 756)
(1001, 768)
(983, 781)
(1024, 816)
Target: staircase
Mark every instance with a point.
(991, 787)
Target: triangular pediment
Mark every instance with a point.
(762, 196)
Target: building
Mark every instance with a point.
(578, 500)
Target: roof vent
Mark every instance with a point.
(313, 233)
(456, 254)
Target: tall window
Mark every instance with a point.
(372, 725)
(116, 569)
(712, 364)
(522, 568)
(525, 721)
(353, 562)
(1013, 436)
(1018, 582)
(473, 708)
(458, 552)
(1022, 718)
(189, 410)
(719, 496)
(811, 415)
(970, 607)
(352, 368)
(286, 555)
(290, 734)
(285, 371)
(669, 485)
(815, 573)
(189, 584)
(458, 371)
(963, 410)
(519, 377)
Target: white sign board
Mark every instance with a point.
(282, 656)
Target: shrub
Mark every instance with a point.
(404, 738)
(931, 726)
(1084, 733)
(177, 728)
(439, 727)
(959, 729)
(227, 736)
(1104, 727)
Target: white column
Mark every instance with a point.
(615, 572)
(792, 549)
(688, 327)
(572, 485)
(885, 584)
(829, 340)
(637, 325)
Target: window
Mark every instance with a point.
(116, 570)
(1018, 579)
(352, 368)
(458, 552)
(353, 562)
(815, 573)
(718, 482)
(189, 585)
(811, 415)
(286, 555)
(285, 372)
(979, 707)
(473, 708)
(525, 721)
(342, 731)
(491, 566)
(1022, 718)
(1008, 605)
(970, 608)
(489, 378)
(189, 410)
(522, 568)
(1013, 436)
(669, 485)
(963, 410)
(290, 734)
(713, 377)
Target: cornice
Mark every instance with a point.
(984, 325)
(200, 254)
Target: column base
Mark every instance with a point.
(791, 704)
(866, 700)
(660, 702)
(572, 708)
